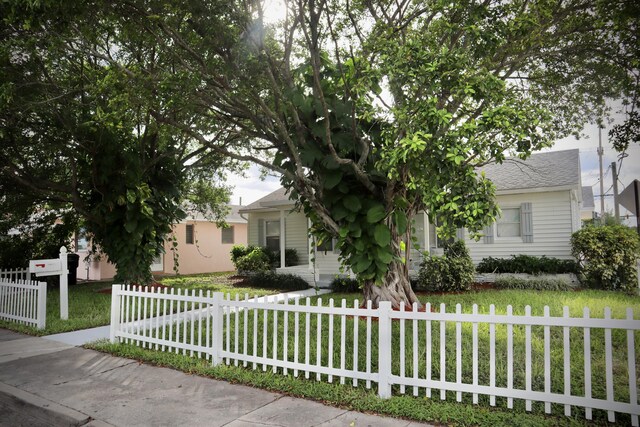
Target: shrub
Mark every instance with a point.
(238, 251)
(527, 264)
(345, 284)
(607, 256)
(256, 260)
(510, 282)
(290, 257)
(273, 280)
(452, 272)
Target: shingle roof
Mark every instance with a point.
(232, 217)
(587, 197)
(542, 170)
(278, 197)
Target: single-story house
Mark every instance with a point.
(540, 200)
(203, 247)
(587, 209)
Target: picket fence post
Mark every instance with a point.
(384, 349)
(42, 304)
(217, 315)
(64, 285)
(115, 312)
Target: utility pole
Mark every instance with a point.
(616, 208)
(600, 153)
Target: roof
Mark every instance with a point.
(271, 200)
(232, 217)
(541, 170)
(587, 197)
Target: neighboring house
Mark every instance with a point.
(587, 209)
(540, 200)
(202, 248)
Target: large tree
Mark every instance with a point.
(372, 110)
(77, 146)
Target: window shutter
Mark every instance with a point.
(526, 222)
(334, 243)
(261, 239)
(488, 234)
(460, 234)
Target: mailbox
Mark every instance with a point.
(45, 267)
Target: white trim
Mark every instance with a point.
(535, 190)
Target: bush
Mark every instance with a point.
(273, 280)
(607, 256)
(256, 260)
(527, 264)
(452, 272)
(239, 251)
(510, 282)
(345, 284)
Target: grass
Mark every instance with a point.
(420, 408)
(215, 282)
(89, 308)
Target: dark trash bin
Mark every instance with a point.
(73, 261)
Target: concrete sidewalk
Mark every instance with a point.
(45, 382)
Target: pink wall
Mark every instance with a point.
(208, 254)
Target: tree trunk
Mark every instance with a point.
(396, 288)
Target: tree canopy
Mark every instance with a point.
(74, 138)
(371, 111)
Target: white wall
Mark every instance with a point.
(552, 227)
(295, 233)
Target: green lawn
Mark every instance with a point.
(89, 308)
(434, 410)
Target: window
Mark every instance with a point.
(272, 235)
(227, 235)
(509, 223)
(189, 234)
(82, 243)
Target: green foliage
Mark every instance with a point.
(256, 260)
(607, 256)
(537, 284)
(271, 280)
(454, 271)
(344, 284)
(527, 264)
(240, 251)
(38, 238)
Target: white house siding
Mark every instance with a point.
(295, 233)
(552, 223)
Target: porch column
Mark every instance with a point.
(282, 239)
(312, 250)
(425, 220)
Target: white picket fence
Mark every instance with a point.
(15, 274)
(23, 302)
(396, 349)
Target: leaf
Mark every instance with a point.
(384, 255)
(352, 202)
(131, 226)
(382, 235)
(401, 221)
(332, 179)
(375, 214)
(361, 264)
